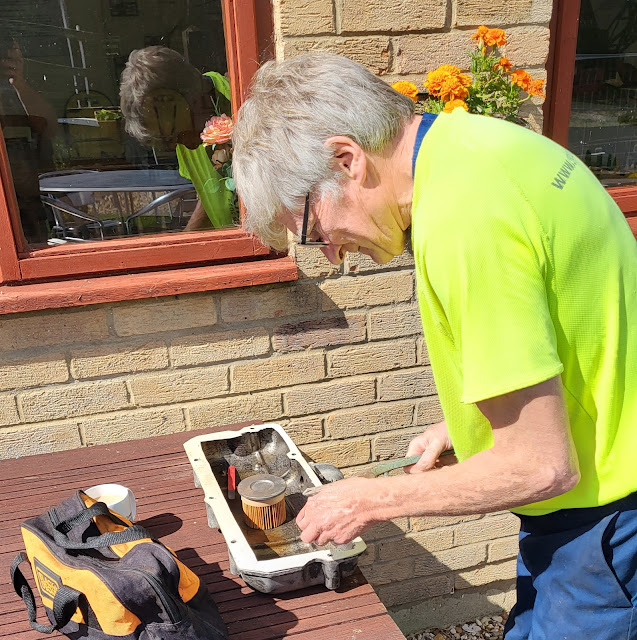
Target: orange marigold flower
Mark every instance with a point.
(435, 79)
(408, 89)
(217, 130)
(453, 104)
(494, 38)
(455, 88)
(536, 88)
(504, 64)
(480, 33)
(521, 78)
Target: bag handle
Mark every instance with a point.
(65, 602)
(130, 534)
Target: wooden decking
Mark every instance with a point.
(168, 504)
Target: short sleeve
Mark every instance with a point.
(491, 271)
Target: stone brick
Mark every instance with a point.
(386, 572)
(305, 430)
(503, 549)
(422, 355)
(393, 15)
(218, 346)
(261, 406)
(422, 523)
(484, 575)
(131, 425)
(306, 17)
(179, 386)
(389, 529)
(311, 263)
(278, 371)
(421, 53)
(368, 290)
(419, 589)
(110, 359)
(31, 441)
(368, 556)
(502, 12)
(257, 304)
(360, 263)
(450, 559)
(164, 314)
(412, 383)
(34, 371)
(370, 358)
(415, 544)
(487, 529)
(8, 411)
(324, 332)
(369, 419)
(393, 445)
(527, 46)
(328, 396)
(372, 52)
(429, 411)
(340, 454)
(44, 328)
(74, 400)
(394, 322)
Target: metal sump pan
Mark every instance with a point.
(273, 560)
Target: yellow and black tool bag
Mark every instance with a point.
(101, 577)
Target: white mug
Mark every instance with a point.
(117, 497)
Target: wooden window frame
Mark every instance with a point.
(160, 264)
(557, 109)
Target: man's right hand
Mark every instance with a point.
(430, 444)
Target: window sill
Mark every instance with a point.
(75, 293)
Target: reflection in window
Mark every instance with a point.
(603, 124)
(102, 107)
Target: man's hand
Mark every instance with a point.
(338, 512)
(430, 444)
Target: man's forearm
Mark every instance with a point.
(485, 482)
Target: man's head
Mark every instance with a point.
(163, 98)
(321, 124)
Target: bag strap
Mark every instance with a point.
(65, 602)
(61, 530)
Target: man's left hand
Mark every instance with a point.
(337, 513)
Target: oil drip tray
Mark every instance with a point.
(273, 560)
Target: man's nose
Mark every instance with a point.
(334, 253)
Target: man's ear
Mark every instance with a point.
(349, 158)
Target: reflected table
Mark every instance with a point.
(127, 181)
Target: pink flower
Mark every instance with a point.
(217, 130)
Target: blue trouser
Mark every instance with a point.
(577, 575)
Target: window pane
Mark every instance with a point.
(603, 124)
(102, 107)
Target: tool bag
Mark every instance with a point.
(99, 577)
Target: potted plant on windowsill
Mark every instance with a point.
(493, 88)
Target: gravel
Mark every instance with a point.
(487, 628)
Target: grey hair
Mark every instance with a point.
(146, 71)
(279, 137)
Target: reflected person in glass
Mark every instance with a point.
(166, 103)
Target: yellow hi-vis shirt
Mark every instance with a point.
(526, 269)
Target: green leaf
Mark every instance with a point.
(222, 84)
(230, 184)
(215, 185)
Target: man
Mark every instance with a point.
(527, 284)
(166, 102)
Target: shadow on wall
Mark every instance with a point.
(426, 582)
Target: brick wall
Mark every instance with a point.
(337, 357)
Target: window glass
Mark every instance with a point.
(603, 124)
(103, 104)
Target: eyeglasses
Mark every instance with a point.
(306, 217)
